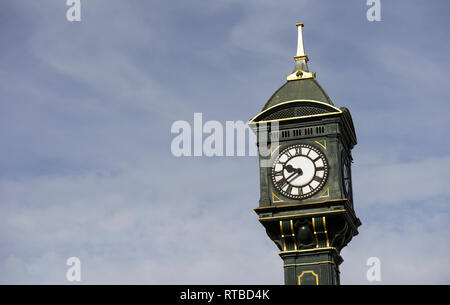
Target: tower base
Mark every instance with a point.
(311, 267)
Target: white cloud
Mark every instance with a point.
(139, 226)
(390, 183)
(133, 214)
(410, 255)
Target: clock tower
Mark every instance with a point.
(306, 202)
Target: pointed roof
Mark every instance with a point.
(301, 84)
(302, 89)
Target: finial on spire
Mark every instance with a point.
(300, 49)
(301, 68)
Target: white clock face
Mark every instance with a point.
(299, 171)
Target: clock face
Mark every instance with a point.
(346, 178)
(299, 171)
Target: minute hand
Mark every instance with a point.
(297, 172)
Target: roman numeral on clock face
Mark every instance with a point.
(281, 183)
(289, 189)
(317, 178)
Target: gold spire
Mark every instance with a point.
(300, 48)
(301, 68)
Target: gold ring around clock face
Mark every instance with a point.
(299, 171)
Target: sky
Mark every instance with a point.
(86, 110)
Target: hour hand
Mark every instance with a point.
(289, 168)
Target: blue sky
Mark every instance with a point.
(86, 110)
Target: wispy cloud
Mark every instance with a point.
(86, 113)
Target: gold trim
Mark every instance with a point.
(299, 204)
(308, 271)
(275, 196)
(304, 214)
(273, 150)
(299, 24)
(308, 250)
(282, 235)
(324, 145)
(325, 193)
(307, 264)
(315, 232)
(326, 231)
(300, 57)
(293, 234)
(338, 111)
(302, 75)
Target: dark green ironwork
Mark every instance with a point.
(310, 232)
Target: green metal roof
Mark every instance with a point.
(302, 89)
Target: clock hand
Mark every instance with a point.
(287, 179)
(297, 172)
(289, 168)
